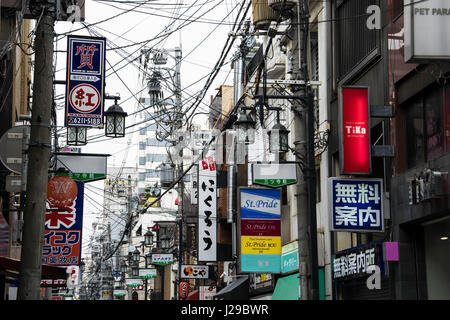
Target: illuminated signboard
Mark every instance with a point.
(260, 230)
(354, 130)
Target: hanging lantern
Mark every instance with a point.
(76, 136)
(136, 255)
(245, 128)
(115, 121)
(165, 242)
(278, 139)
(148, 238)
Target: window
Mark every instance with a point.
(354, 41)
(427, 123)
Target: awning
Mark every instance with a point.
(237, 290)
(193, 295)
(287, 288)
(48, 272)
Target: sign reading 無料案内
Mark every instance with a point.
(356, 205)
(85, 81)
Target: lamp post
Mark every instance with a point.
(278, 139)
(115, 121)
(245, 126)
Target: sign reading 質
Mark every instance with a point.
(354, 130)
(207, 207)
(356, 205)
(85, 81)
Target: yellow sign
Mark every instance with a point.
(260, 245)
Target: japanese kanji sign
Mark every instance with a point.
(260, 230)
(85, 81)
(356, 205)
(194, 272)
(352, 263)
(207, 206)
(62, 235)
(354, 130)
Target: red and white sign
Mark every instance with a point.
(355, 157)
(84, 98)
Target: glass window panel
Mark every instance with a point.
(414, 132)
(433, 124)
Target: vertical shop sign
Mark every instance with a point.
(356, 205)
(260, 230)
(354, 130)
(63, 226)
(85, 81)
(207, 206)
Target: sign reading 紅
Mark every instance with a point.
(85, 81)
(356, 205)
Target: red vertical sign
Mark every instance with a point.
(355, 129)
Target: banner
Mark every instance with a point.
(63, 228)
(207, 210)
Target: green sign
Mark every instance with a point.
(147, 273)
(133, 282)
(84, 177)
(289, 257)
(274, 175)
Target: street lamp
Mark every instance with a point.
(148, 238)
(136, 255)
(278, 139)
(165, 242)
(245, 128)
(76, 136)
(115, 121)
(123, 267)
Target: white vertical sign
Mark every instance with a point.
(207, 207)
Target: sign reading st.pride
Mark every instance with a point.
(85, 81)
(260, 230)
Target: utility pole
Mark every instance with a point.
(38, 155)
(304, 148)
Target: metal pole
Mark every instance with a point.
(39, 155)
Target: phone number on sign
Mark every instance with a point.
(84, 121)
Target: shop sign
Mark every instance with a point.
(274, 175)
(354, 262)
(162, 259)
(63, 224)
(85, 81)
(260, 230)
(354, 131)
(119, 293)
(147, 273)
(82, 167)
(133, 283)
(289, 257)
(194, 272)
(207, 292)
(356, 205)
(207, 209)
(424, 35)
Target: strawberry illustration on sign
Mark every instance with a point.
(61, 191)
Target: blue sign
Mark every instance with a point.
(85, 81)
(260, 203)
(356, 205)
